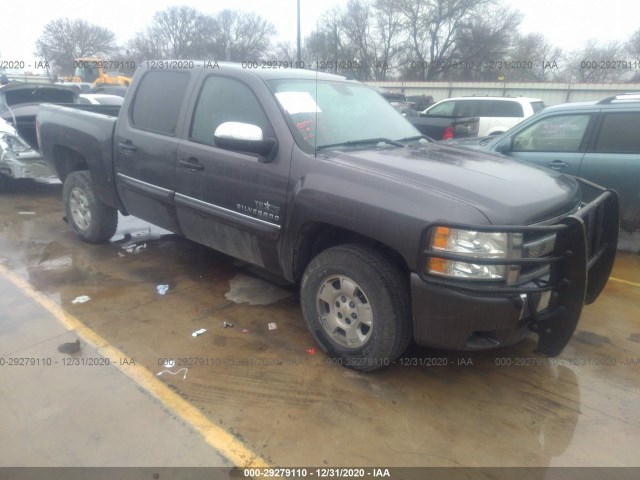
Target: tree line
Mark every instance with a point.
(434, 40)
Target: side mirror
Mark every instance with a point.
(246, 138)
(504, 147)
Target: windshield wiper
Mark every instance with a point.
(417, 137)
(352, 143)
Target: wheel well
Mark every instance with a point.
(67, 161)
(313, 238)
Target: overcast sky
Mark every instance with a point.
(566, 23)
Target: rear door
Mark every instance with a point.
(228, 199)
(146, 145)
(613, 160)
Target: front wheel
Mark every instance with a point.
(355, 302)
(90, 218)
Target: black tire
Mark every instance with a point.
(4, 183)
(380, 284)
(91, 220)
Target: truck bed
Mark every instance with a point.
(83, 128)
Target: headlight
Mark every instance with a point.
(14, 143)
(472, 245)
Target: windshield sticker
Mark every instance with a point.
(297, 102)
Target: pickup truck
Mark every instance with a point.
(19, 156)
(390, 237)
(444, 127)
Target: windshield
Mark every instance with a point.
(88, 73)
(332, 113)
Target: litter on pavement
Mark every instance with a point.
(174, 373)
(198, 332)
(227, 324)
(81, 299)
(272, 326)
(162, 289)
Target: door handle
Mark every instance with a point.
(192, 164)
(557, 164)
(128, 146)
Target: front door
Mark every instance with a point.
(229, 200)
(556, 142)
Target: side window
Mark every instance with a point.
(563, 133)
(225, 100)
(158, 99)
(444, 109)
(619, 133)
(468, 108)
(505, 108)
(537, 106)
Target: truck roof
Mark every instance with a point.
(269, 72)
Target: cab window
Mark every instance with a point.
(156, 106)
(223, 100)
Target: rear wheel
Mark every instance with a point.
(355, 302)
(90, 218)
(4, 182)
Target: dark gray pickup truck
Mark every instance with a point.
(319, 180)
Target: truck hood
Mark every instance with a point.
(507, 192)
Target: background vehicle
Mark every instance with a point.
(437, 127)
(19, 155)
(598, 141)
(445, 127)
(420, 102)
(82, 87)
(99, 99)
(89, 70)
(495, 114)
(389, 236)
(118, 90)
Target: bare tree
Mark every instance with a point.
(432, 27)
(542, 60)
(184, 32)
(239, 36)
(64, 40)
(361, 40)
(177, 32)
(633, 50)
(482, 46)
(633, 45)
(390, 41)
(327, 46)
(596, 63)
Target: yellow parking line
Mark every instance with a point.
(221, 440)
(626, 282)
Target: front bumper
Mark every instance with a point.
(465, 315)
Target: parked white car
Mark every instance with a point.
(496, 114)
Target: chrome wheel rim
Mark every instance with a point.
(79, 206)
(344, 311)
